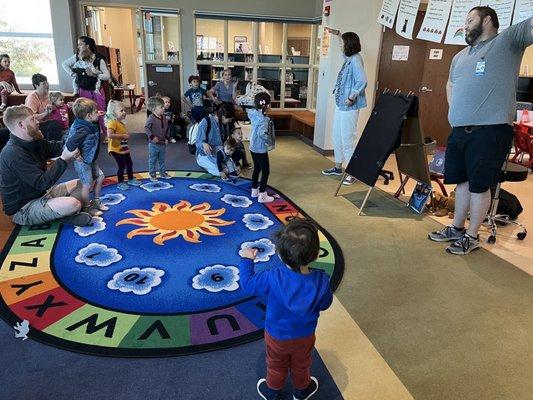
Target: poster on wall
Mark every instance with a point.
(388, 12)
(522, 10)
(400, 53)
(504, 11)
(405, 21)
(455, 34)
(435, 20)
(326, 37)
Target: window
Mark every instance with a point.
(29, 40)
(254, 51)
(161, 36)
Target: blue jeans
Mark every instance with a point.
(156, 155)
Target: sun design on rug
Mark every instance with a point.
(182, 219)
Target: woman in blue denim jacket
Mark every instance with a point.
(349, 99)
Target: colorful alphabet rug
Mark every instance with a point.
(155, 275)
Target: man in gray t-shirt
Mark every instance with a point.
(481, 92)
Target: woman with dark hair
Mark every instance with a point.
(88, 76)
(39, 103)
(210, 137)
(349, 99)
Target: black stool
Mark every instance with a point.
(510, 173)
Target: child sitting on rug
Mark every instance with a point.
(158, 131)
(295, 296)
(261, 142)
(239, 155)
(85, 135)
(117, 145)
(225, 164)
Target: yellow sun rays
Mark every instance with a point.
(182, 219)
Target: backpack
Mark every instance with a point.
(193, 134)
(508, 204)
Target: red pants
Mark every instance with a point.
(282, 355)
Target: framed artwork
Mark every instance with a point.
(241, 44)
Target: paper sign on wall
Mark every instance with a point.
(435, 20)
(163, 69)
(522, 10)
(405, 21)
(326, 42)
(455, 34)
(504, 11)
(386, 16)
(435, 54)
(400, 53)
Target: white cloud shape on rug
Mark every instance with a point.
(257, 222)
(97, 224)
(136, 280)
(236, 201)
(265, 249)
(217, 278)
(112, 199)
(96, 254)
(205, 187)
(155, 186)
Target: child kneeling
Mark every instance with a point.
(295, 296)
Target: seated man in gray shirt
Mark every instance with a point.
(481, 92)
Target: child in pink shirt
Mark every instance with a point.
(59, 110)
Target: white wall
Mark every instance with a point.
(63, 28)
(358, 16)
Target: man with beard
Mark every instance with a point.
(481, 92)
(29, 193)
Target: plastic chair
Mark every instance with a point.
(510, 173)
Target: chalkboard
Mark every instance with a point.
(381, 136)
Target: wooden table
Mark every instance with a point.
(131, 94)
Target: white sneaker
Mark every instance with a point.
(172, 140)
(265, 198)
(255, 192)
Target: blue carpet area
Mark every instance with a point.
(36, 371)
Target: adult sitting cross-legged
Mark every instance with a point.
(28, 187)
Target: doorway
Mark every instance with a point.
(424, 72)
(140, 46)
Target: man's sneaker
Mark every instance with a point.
(97, 203)
(448, 234)
(123, 186)
(165, 176)
(134, 182)
(79, 219)
(265, 392)
(94, 212)
(153, 178)
(464, 245)
(332, 171)
(349, 180)
(306, 393)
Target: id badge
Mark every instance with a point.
(480, 68)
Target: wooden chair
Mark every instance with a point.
(523, 144)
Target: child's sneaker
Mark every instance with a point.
(255, 192)
(332, 171)
(153, 178)
(93, 212)
(306, 393)
(172, 140)
(97, 203)
(165, 176)
(349, 180)
(123, 186)
(265, 392)
(265, 198)
(134, 182)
